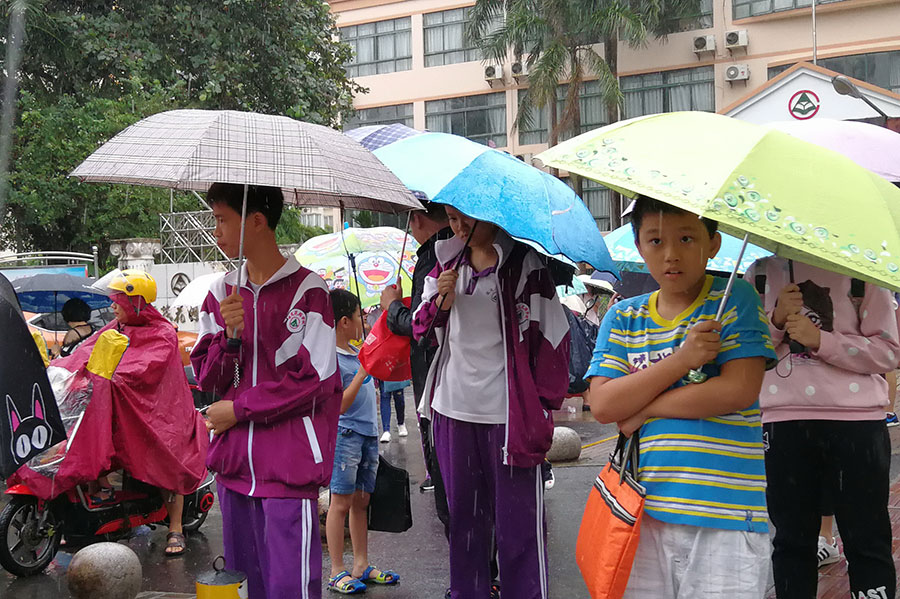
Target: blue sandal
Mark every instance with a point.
(386, 577)
(350, 586)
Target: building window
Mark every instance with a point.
(596, 198)
(381, 47)
(481, 118)
(593, 114)
(536, 132)
(668, 91)
(878, 68)
(702, 19)
(383, 115)
(593, 110)
(445, 38)
(750, 8)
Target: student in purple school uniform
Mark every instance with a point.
(276, 424)
(500, 370)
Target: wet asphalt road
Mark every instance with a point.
(418, 555)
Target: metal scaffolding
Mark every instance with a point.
(188, 237)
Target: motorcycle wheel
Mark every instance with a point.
(193, 519)
(26, 548)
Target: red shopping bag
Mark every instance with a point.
(611, 525)
(385, 355)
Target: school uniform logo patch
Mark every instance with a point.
(295, 321)
(523, 313)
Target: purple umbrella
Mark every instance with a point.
(870, 146)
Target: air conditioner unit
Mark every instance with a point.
(519, 69)
(704, 43)
(736, 39)
(737, 72)
(493, 72)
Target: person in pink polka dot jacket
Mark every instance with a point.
(824, 431)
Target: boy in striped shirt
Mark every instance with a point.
(701, 451)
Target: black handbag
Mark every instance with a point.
(390, 509)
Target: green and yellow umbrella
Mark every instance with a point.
(798, 200)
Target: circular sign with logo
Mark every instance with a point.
(804, 104)
(179, 282)
(295, 321)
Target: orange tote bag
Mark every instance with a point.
(611, 525)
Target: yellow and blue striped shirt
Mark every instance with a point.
(708, 472)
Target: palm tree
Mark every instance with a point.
(558, 40)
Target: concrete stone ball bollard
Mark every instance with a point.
(566, 445)
(104, 571)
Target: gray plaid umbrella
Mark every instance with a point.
(192, 149)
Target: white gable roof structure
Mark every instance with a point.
(803, 92)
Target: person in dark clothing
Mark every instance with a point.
(426, 227)
(76, 313)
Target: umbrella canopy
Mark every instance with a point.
(375, 252)
(623, 250)
(796, 199)
(493, 186)
(373, 137)
(192, 149)
(195, 292)
(870, 146)
(576, 288)
(48, 292)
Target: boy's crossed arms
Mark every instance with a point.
(630, 400)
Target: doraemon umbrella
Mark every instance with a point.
(375, 253)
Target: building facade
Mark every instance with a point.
(413, 57)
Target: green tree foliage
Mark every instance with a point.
(48, 210)
(92, 67)
(269, 56)
(291, 230)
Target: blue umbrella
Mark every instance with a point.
(621, 245)
(493, 186)
(48, 292)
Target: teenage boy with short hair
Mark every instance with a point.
(701, 450)
(275, 426)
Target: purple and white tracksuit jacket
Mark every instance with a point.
(288, 401)
(535, 335)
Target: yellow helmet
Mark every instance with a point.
(135, 282)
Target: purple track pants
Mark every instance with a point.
(275, 542)
(485, 496)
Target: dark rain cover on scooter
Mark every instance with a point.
(139, 417)
(29, 419)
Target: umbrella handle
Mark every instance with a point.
(403, 252)
(459, 258)
(697, 376)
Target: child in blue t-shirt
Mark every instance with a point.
(355, 458)
(701, 452)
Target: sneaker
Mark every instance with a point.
(386, 437)
(891, 418)
(828, 552)
(427, 484)
(547, 475)
(495, 590)
(401, 430)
